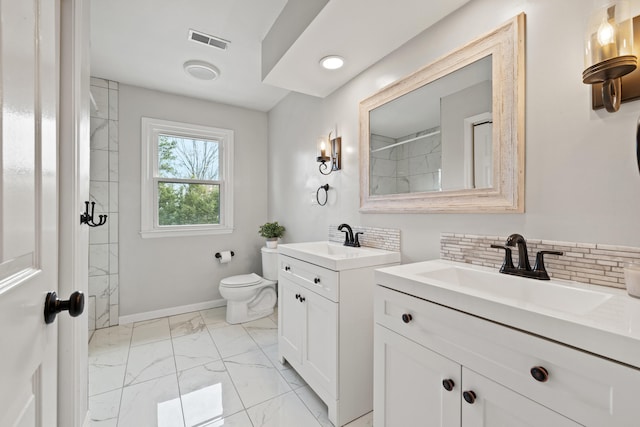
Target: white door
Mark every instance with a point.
(320, 340)
(498, 406)
(28, 211)
(408, 384)
(290, 321)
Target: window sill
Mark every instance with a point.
(184, 232)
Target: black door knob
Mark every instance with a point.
(540, 374)
(53, 306)
(406, 318)
(448, 384)
(469, 396)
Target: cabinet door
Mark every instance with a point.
(319, 354)
(290, 321)
(498, 406)
(408, 384)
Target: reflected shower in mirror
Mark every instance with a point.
(450, 136)
(437, 137)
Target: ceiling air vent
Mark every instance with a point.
(203, 38)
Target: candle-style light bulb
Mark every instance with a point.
(605, 33)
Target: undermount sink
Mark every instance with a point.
(522, 291)
(337, 257)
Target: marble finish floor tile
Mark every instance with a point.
(286, 410)
(194, 350)
(233, 340)
(215, 317)
(315, 405)
(116, 338)
(152, 403)
(149, 361)
(255, 377)
(104, 408)
(106, 371)
(150, 331)
(175, 376)
(186, 324)
(208, 394)
(263, 331)
(241, 419)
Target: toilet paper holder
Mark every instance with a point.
(220, 256)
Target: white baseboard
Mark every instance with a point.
(172, 311)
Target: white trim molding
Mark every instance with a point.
(171, 311)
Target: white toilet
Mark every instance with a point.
(250, 296)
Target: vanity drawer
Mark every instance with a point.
(581, 386)
(317, 279)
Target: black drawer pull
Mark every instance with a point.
(406, 318)
(540, 374)
(469, 396)
(448, 384)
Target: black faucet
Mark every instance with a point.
(349, 239)
(524, 268)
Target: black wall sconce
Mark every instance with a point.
(329, 154)
(610, 55)
(87, 218)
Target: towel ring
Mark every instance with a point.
(326, 194)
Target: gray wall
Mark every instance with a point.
(582, 183)
(161, 273)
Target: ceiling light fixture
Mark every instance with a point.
(332, 62)
(201, 70)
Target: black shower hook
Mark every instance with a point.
(326, 194)
(85, 218)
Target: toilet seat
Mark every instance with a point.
(241, 280)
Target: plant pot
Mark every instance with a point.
(272, 243)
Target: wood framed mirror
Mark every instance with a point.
(450, 137)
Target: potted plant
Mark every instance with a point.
(271, 231)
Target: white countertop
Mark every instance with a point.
(611, 329)
(338, 257)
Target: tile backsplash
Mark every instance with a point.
(593, 263)
(372, 237)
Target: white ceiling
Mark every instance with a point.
(144, 43)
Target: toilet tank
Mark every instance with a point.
(269, 263)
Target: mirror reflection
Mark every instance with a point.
(437, 137)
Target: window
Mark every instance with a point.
(187, 179)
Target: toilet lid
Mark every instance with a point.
(241, 280)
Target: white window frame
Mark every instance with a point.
(151, 130)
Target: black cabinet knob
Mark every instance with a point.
(316, 280)
(406, 318)
(469, 396)
(302, 299)
(540, 374)
(53, 306)
(297, 296)
(287, 268)
(448, 384)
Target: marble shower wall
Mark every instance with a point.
(407, 168)
(103, 241)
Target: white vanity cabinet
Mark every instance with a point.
(420, 345)
(325, 332)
